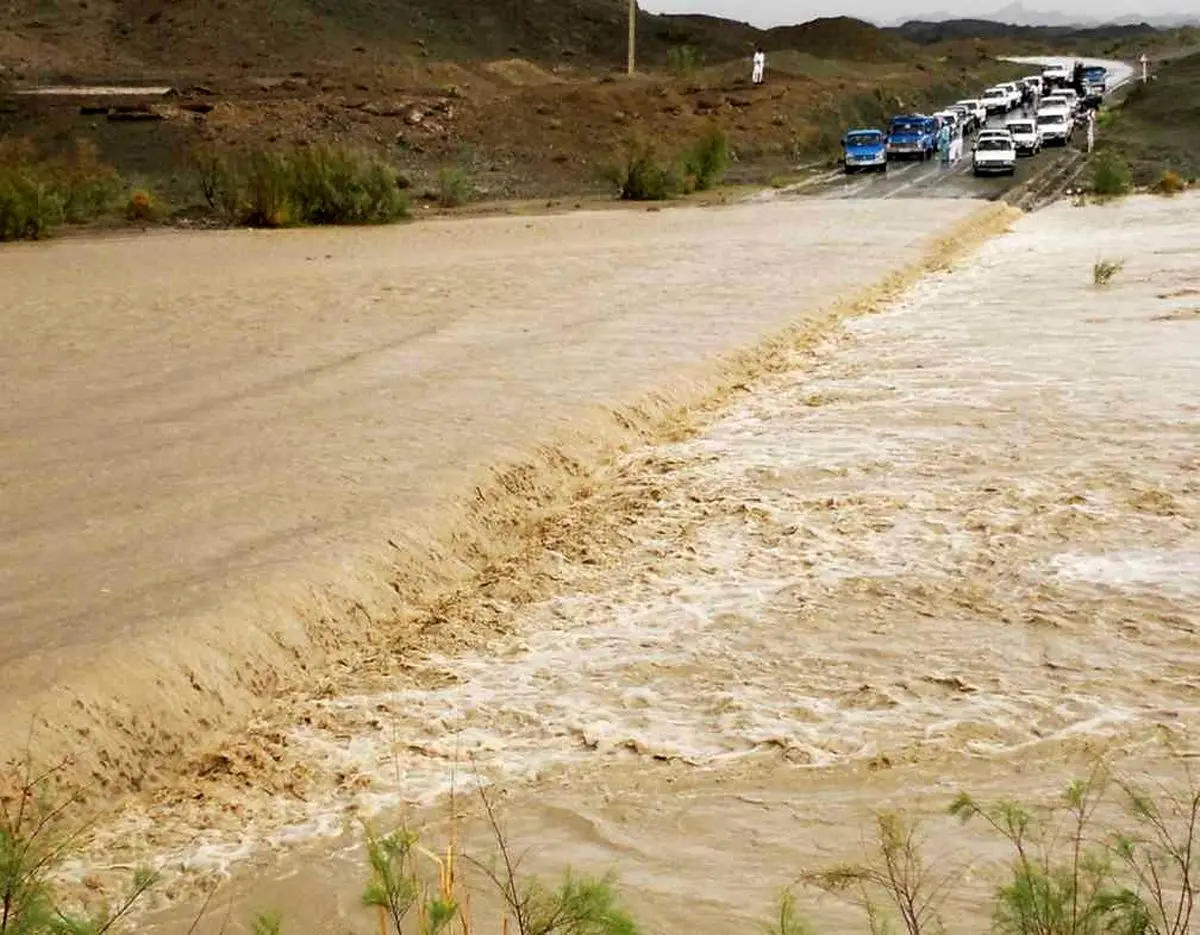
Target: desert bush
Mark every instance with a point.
(1170, 183)
(1111, 175)
(39, 832)
(308, 185)
(894, 881)
(37, 194)
(683, 60)
(143, 207)
(454, 187)
(1103, 271)
(339, 186)
(708, 160)
(641, 174)
(90, 189)
(29, 207)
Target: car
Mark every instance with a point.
(978, 107)
(1071, 98)
(1055, 126)
(1002, 132)
(864, 149)
(1034, 82)
(1095, 84)
(1057, 74)
(994, 155)
(1014, 93)
(1025, 136)
(996, 100)
(949, 119)
(912, 135)
(966, 117)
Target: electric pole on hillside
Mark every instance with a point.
(632, 66)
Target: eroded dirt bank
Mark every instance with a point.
(225, 456)
(959, 548)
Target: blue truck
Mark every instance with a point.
(864, 149)
(912, 136)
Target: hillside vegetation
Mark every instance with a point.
(1157, 127)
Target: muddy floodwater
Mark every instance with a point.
(956, 547)
(213, 446)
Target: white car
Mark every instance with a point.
(996, 100)
(995, 155)
(1025, 136)
(1055, 126)
(1057, 74)
(1071, 97)
(978, 108)
(1014, 93)
(1002, 132)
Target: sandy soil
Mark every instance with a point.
(219, 449)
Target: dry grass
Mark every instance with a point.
(1103, 271)
(1169, 183)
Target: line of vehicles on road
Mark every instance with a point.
(1052, 105)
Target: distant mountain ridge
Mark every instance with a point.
(1017, 14)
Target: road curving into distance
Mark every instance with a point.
(932, 180)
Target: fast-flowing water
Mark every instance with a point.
(958, 547)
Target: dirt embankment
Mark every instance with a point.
(1157, 127)
(516, 128)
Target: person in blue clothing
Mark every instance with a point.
(943, 144)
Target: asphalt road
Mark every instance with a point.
(931, 179)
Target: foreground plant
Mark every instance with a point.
(895, 880)
(1060, 883)
(38, 833)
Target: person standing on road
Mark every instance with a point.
(943, 139)
(758, 71)
(1091, 130)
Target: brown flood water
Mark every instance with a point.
(958, 547)
(207, 441)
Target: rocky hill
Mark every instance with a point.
(139, 38)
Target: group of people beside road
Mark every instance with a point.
(950, 144)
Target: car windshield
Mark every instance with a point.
(870, 138)
(993, 142)
(1020, 127)
(906, 126)
(1050, 118)
(994, 93)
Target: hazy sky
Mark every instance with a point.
(776, 12)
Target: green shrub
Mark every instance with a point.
(308, 185)
(454, 187)
(90, 190)
(338, 186)
(707, 162)
(37, 194)
(1111, 175)
(29, 208)
(683, 60)
(642, 175)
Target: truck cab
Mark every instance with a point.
(912, 136)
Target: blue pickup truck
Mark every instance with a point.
(912, 136)
(864, 149)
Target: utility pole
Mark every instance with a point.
(632, 36)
